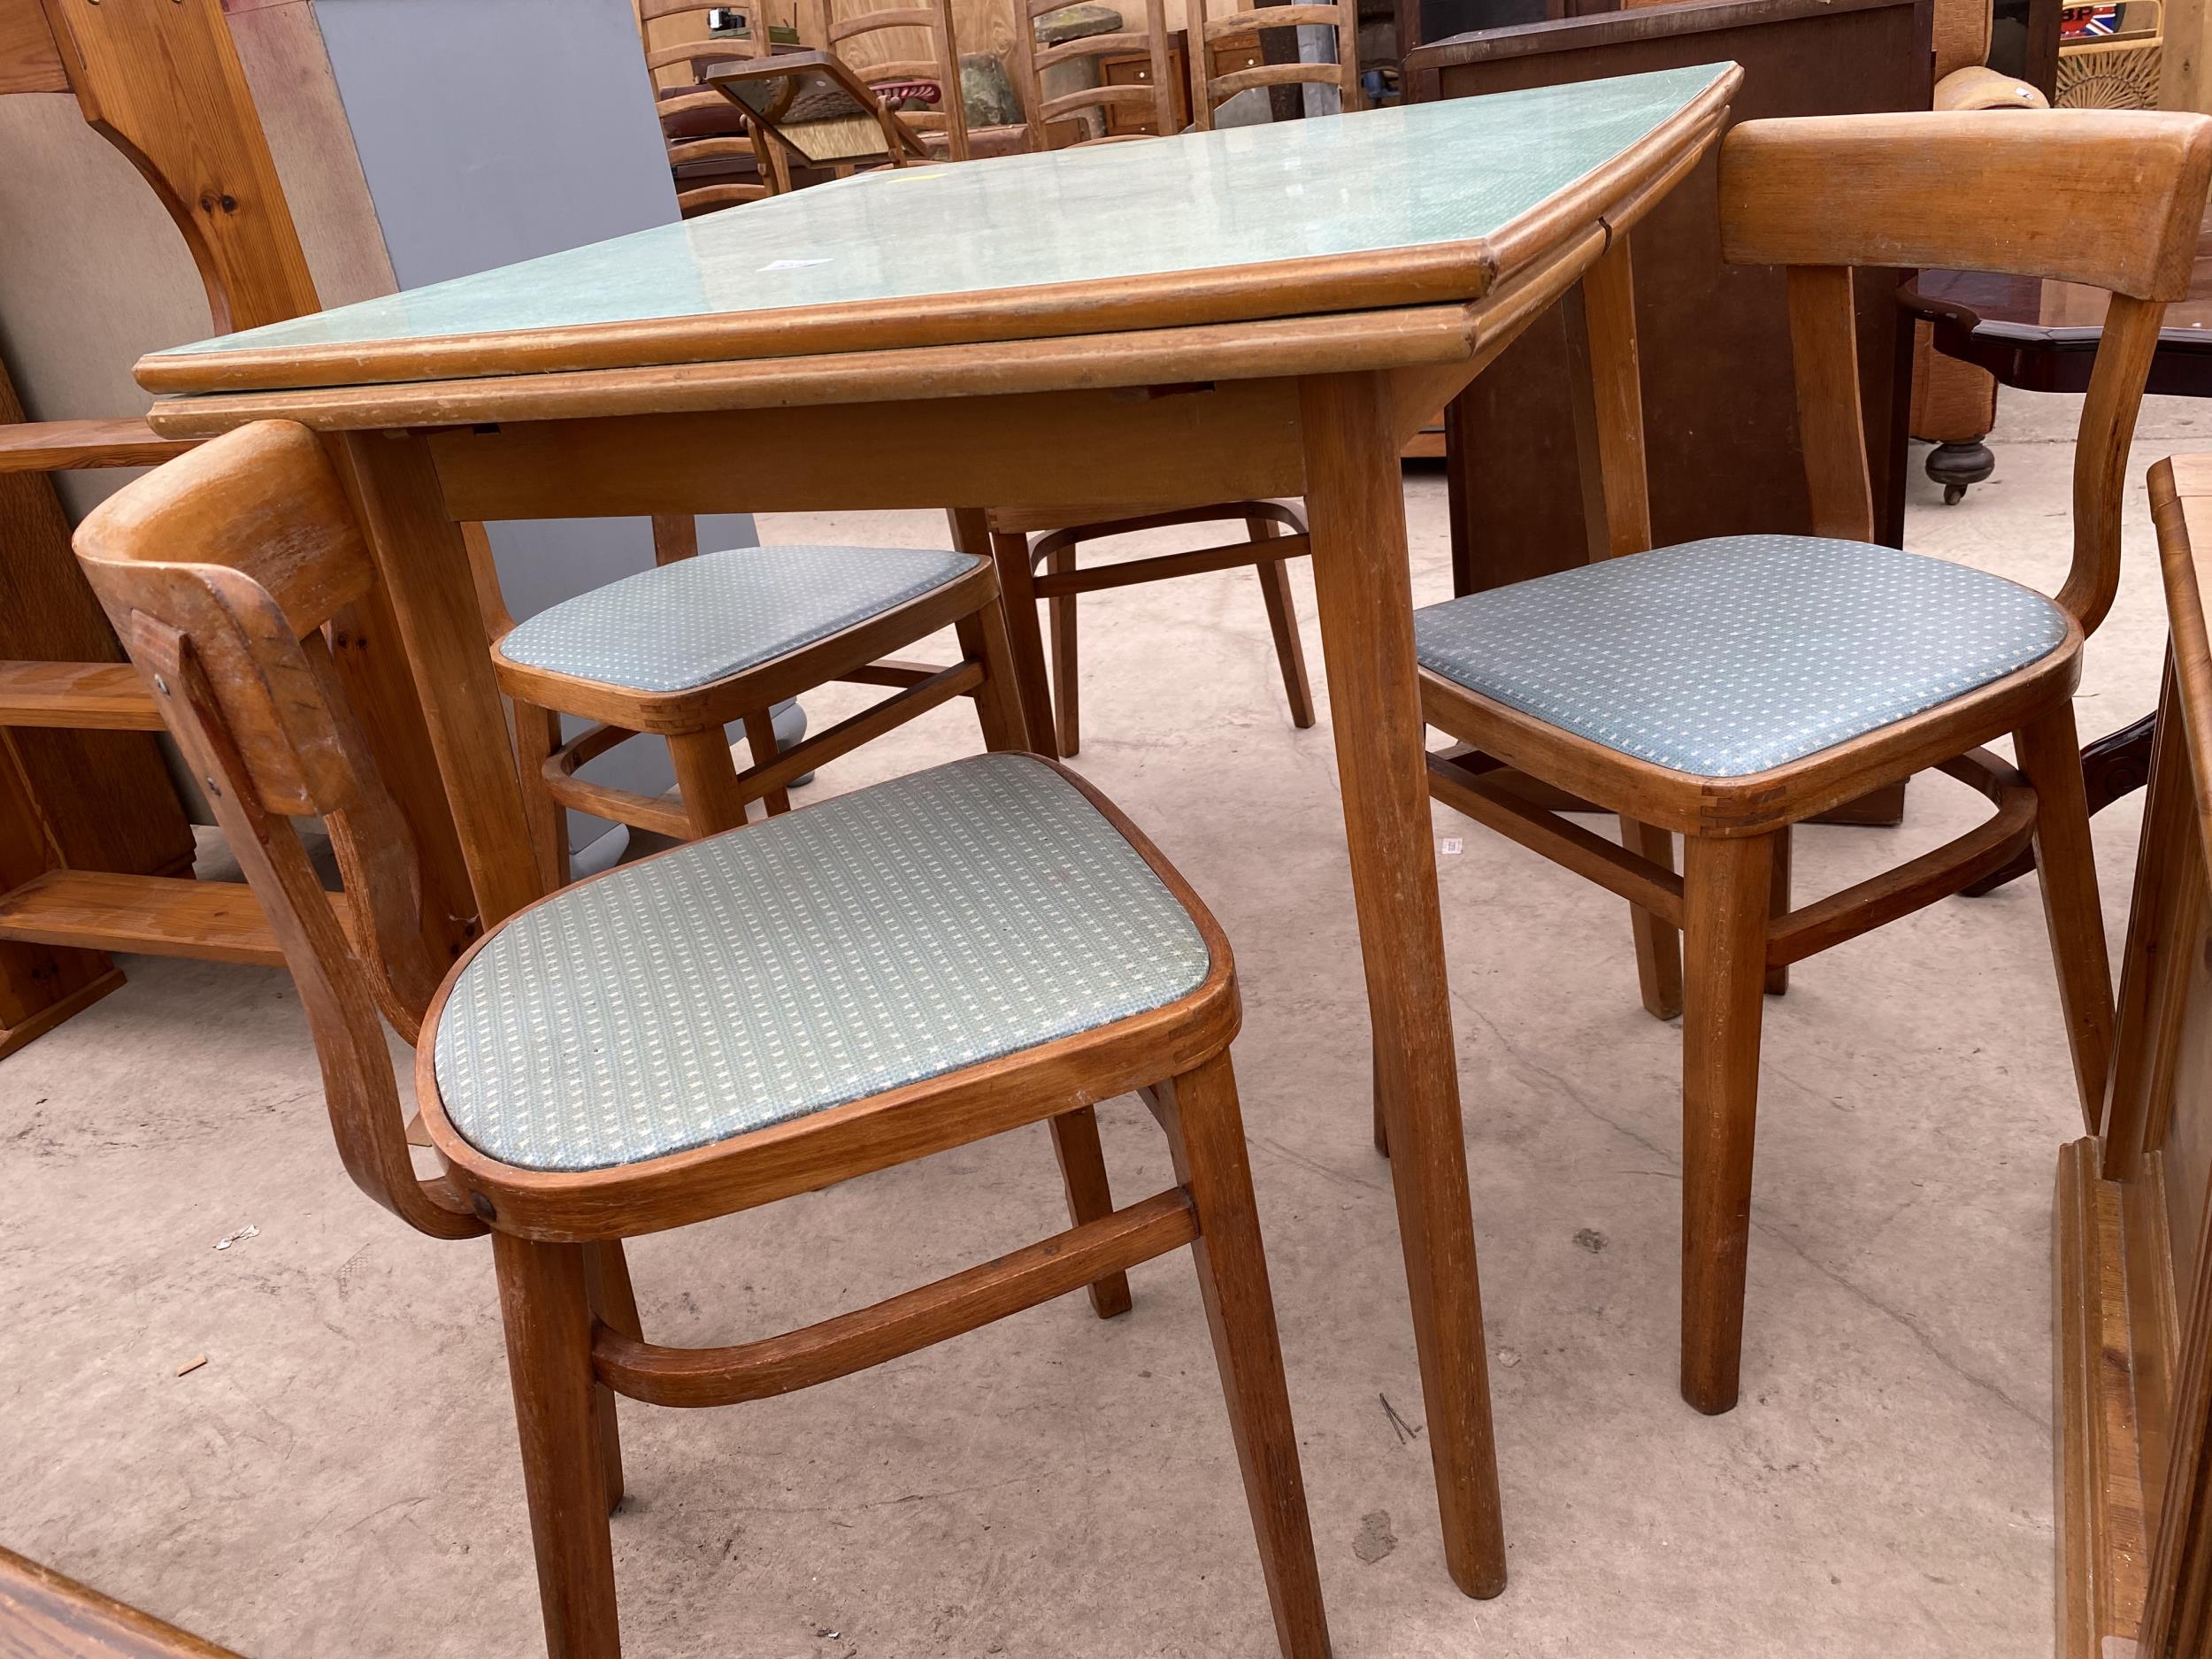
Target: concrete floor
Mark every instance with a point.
(340, 1478)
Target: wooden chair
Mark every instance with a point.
(1031, 60)
(1208, 24)
(884, 976)
(701, 642)
(712, 153)
(1273, 532)
(1725, 690)
(878, 43)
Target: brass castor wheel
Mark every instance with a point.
(1956, 466)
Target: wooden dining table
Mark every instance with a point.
(1259, 312)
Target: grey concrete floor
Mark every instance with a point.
(340, 1478)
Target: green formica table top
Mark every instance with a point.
(1291, 218)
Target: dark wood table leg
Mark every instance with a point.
(1355, 506)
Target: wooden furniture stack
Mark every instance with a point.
(2132, 1256)
(95, 850)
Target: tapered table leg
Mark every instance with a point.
(424, 564)
(1355, 508)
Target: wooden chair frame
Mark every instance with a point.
(1207, 25)
(1274, 533)
(220, 572)
(770, 164)
(1031, 60)
(1820, 195)
(714, 794)
(820, 24)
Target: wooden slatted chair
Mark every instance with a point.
(1729, 688)
(854, 986)
(712, 154)
(1032, 59)
(1210, 24)
(905, 45)
(701, 642)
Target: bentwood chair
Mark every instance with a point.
(885, 975)
(1209, 22)
(701, 641)
(1726, 690)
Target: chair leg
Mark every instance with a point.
(1067, 722)
(2050, 753)
(707, 778)
(545, 1302)
(1090, 1197)
(537, 736)
(760, 740)
(1018, 592)
(1282, 621)
(998, 699)
(1206, 1136)
(614, 1304)
(1777, 979)
(1725, 884)
(1658, 947)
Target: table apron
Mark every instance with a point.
(1230, 442)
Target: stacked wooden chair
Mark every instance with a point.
(713, 156)
(1211, 87)
(1726, 690)
(852, 986)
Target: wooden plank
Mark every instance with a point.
(29, 61)
(45, 1615)
(153, 915)
(59, 446)
(81, 696)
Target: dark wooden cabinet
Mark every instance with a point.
(1719, 401)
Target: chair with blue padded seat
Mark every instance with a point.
(1726, 690)
(753, 1015)
(701, 641)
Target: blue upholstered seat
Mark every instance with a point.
(700, 620)
(1728, 656)
(880, 938)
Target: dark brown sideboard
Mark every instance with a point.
(1720, 410)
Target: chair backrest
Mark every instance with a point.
(219, 570)
(1210, 23)
(709, 141)
(925, 49)
(1155, 98)
(2107, 198)
(160, 80)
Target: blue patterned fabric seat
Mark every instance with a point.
(1730, 656)
(701, 619)
(894, 935)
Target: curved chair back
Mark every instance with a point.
(1155, 98)
(2108, 199)
(941, 66)
(219, 570)
(1210, 24)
